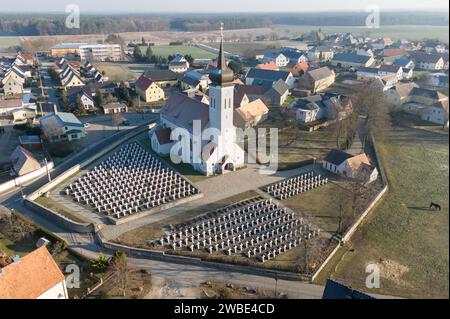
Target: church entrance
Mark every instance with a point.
(229, 167)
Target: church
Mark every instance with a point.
(217, 155)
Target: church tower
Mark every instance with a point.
(221, 98)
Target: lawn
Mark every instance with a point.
(319, 204)
(63, 210)
(166, 50)
(6, 42)
(296, 145)
(409, 242)
(410, 32)
(117, 72)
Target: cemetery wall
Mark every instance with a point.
(160, 255)
(58, 218)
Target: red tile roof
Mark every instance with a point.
(30, 277)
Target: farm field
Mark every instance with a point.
(240, 48)
(408, 241)
(6, 42)
(411, 32)
(166, 50)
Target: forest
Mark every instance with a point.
(53, 24)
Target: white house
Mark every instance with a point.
(390, 70)
(33, 276)
(61, 126)
(179, 64)
(279, 58)
(350, 166)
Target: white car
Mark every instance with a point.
(86, 125)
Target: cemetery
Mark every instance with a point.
(258, 230)
(295, 185)
(129, 181)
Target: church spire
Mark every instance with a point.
(222, 74)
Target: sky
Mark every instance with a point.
(215, 6)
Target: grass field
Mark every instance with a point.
(409, 242)
(6, 42)
(413, 32)
(63, 210)
(296, 145)
(166, 50)
(117, 72)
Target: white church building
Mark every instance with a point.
(217, 153)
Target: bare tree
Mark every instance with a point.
(119, 265)
(370, 102)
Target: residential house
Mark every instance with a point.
(164, 78)
(352, 60)
(318, 79)
(23, 114)
(71, 80)
(24, 59)
(271, 65)
(429, 62)
(350, 166)
(405, 62)
(250, 114)
(297, 68)
(295, 56)
(381, 43)
(263, 77)
(429, 105)
(8, 106)
(277, 94)
(390, 70)
(33, 276)
(61, 126)
(23, 162)
(86, 99)
(276, 57)
(148, 89)
(194, 80)
(321, 107)
(12, 87)
(384, 83)
(320, 54)
(399, 93)
(115, 108)
(179, 64)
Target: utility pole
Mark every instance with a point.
(48, 172)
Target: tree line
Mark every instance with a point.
(54, 24)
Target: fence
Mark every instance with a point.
(19, 181)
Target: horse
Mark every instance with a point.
(435, 206)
